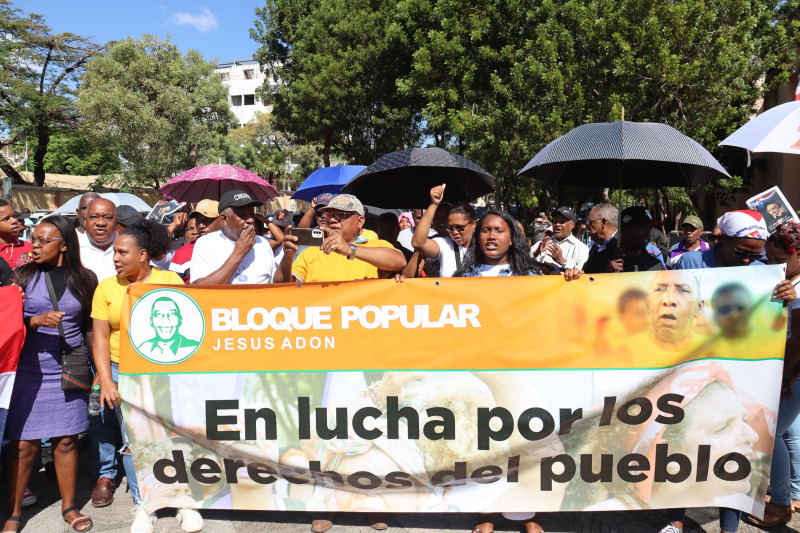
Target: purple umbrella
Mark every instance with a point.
(212, 181)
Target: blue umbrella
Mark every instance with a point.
(327, 179)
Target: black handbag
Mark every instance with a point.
(76, 373)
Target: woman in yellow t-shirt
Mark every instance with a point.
(133, 250)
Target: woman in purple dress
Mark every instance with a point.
(39, 409)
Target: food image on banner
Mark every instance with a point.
(774, 207)
(626, 391)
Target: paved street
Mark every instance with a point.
(45, 517)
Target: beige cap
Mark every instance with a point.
(207, 208)
(345, 202)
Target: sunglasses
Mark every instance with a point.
(338, 216)
(456, 227)
(744, 254)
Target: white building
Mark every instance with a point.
(243, 78)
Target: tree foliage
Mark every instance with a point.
(276, 159)
(496, 80)
(74, 153)
(38, 73)
(337, 62)
(162, 109)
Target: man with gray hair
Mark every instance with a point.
(80, 213)
(602, 225)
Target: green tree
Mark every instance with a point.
(277, 160)
(162, 109)
(38, 73)
(500, 79)
(337, 62)
(74, 153)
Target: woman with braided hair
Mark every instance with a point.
(783, 246)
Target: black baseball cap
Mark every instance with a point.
(282, 218)
(237, 198)
(127, 215)
(567, 212)
(636, 214)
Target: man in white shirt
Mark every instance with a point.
(97, 250)
(563, 250)
(235, 254)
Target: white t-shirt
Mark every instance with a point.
(404, 237)
(212, 250)
(101, 262)
(491, 271)
(447, 258)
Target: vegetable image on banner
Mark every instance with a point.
(625, 391)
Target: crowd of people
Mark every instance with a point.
(74, 278)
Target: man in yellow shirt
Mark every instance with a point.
(347, 253)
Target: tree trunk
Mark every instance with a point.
(326, 148)
(10, 171)
(43, 134)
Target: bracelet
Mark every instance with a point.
(352, 252)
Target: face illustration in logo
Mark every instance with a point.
(165, 318)
(165, 343)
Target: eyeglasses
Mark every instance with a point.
(338, 216)
(41, 241)
(589, 221)
(744, 254)
(456, 227)
(728, 309)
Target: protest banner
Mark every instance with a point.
(617, 391)
(774, 207)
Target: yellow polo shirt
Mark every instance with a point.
(108, 298)
(313, 265)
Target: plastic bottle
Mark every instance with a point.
(94, 401)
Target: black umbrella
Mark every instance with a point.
(405, 178)
(625, 155)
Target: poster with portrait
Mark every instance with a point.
(774, 207)
(645, 390)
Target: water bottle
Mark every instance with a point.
(94, 401)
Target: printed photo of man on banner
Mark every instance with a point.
(672, 408)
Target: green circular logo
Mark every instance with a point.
(167, 326)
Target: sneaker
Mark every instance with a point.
(190, 520)
(142, 522)
(669, 528)
(28, 498)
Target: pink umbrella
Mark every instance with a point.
(212, 181)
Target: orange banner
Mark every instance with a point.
(443, 324)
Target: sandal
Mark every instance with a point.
(532, 527)
(774, 515)
(14, 519)
(484, 527)
(83, 519)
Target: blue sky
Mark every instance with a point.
(215, 29)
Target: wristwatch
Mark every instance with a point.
(352, 252)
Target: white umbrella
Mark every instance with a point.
(774, 130)
(119, 198)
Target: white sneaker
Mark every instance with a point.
(669, 528)
(190, 520)
(142, 522)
